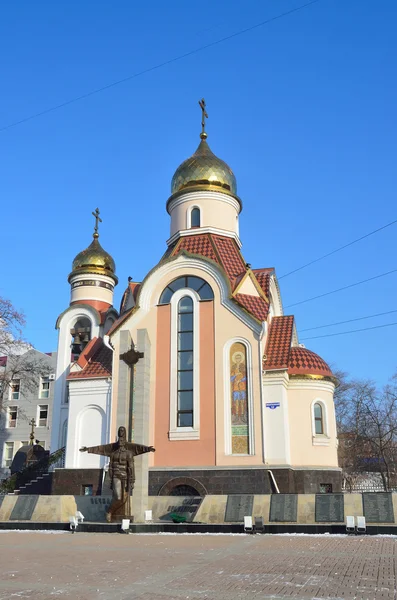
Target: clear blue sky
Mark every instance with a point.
(303, 109)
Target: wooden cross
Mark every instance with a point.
(204, 116)
(32, 423)
(97, 218)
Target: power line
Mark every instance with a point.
(338, 249)
(342, 288)
(158, 66)
(351, 331)
(349, 321)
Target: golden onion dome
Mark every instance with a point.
(204, 171)
(94, 260)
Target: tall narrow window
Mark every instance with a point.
(239, 399)
(43, 415)
(318, 419)
(15, 389)
(185, 362)
(8, 453)
(195, 218)
(45, 387)
(12, 416)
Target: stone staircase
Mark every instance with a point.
(36, 479)
(41, 485)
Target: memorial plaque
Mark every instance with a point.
(186, 507)
(330, 508)
(378, 507)
(283, 507)
(23, 509)
(238, 507)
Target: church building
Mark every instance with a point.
(199, 361)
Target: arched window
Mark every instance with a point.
(81, 335)
(185, 362)
(195, 218)
(197, 284)
(239, 400)
(318, 419)
(184, 366)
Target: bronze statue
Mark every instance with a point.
(121, 472)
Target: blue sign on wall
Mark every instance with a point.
(272, 405)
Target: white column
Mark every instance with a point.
(276, 442)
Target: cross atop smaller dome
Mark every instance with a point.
(94, 259)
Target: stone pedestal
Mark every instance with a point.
(141, 402)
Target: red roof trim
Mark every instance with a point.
(96, 362)
(278, 343)
(305, 362)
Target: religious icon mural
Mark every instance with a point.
(239, 398)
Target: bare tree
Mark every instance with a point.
(367, 429)
(18, 363)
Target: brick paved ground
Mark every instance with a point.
(38, 566)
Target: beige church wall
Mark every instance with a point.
(308, 449)
(216, 210)
(174, 453)
(227, 328)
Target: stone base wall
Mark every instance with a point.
(246, 481)
(72, 481)
(210, 509)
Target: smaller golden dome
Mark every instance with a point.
(95, 260)
(205, 171)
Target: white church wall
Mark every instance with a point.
(218, 210)
(307, 448)
(66, 323)
(88, 422)
(275, 416)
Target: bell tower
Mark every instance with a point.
(90, 315)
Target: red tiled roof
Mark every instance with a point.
(280, 354)
(89, 351)
(263, 278)
(225, 252)
(196, 244)
(255, 305)
(305, 362)
(278, 343)
(231, 258)
(97, 362)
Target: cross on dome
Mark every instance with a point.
(204, 115)
(97, 219)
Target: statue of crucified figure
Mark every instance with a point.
(121, 472)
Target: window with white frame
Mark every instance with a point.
(44, 387)
(8, 453)
(15, 389)
(184, 366)
(195, 218)
(12, 416)
(185, 362)
(203, 289)
(320, 423)
(42, 415)
(318, 419)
